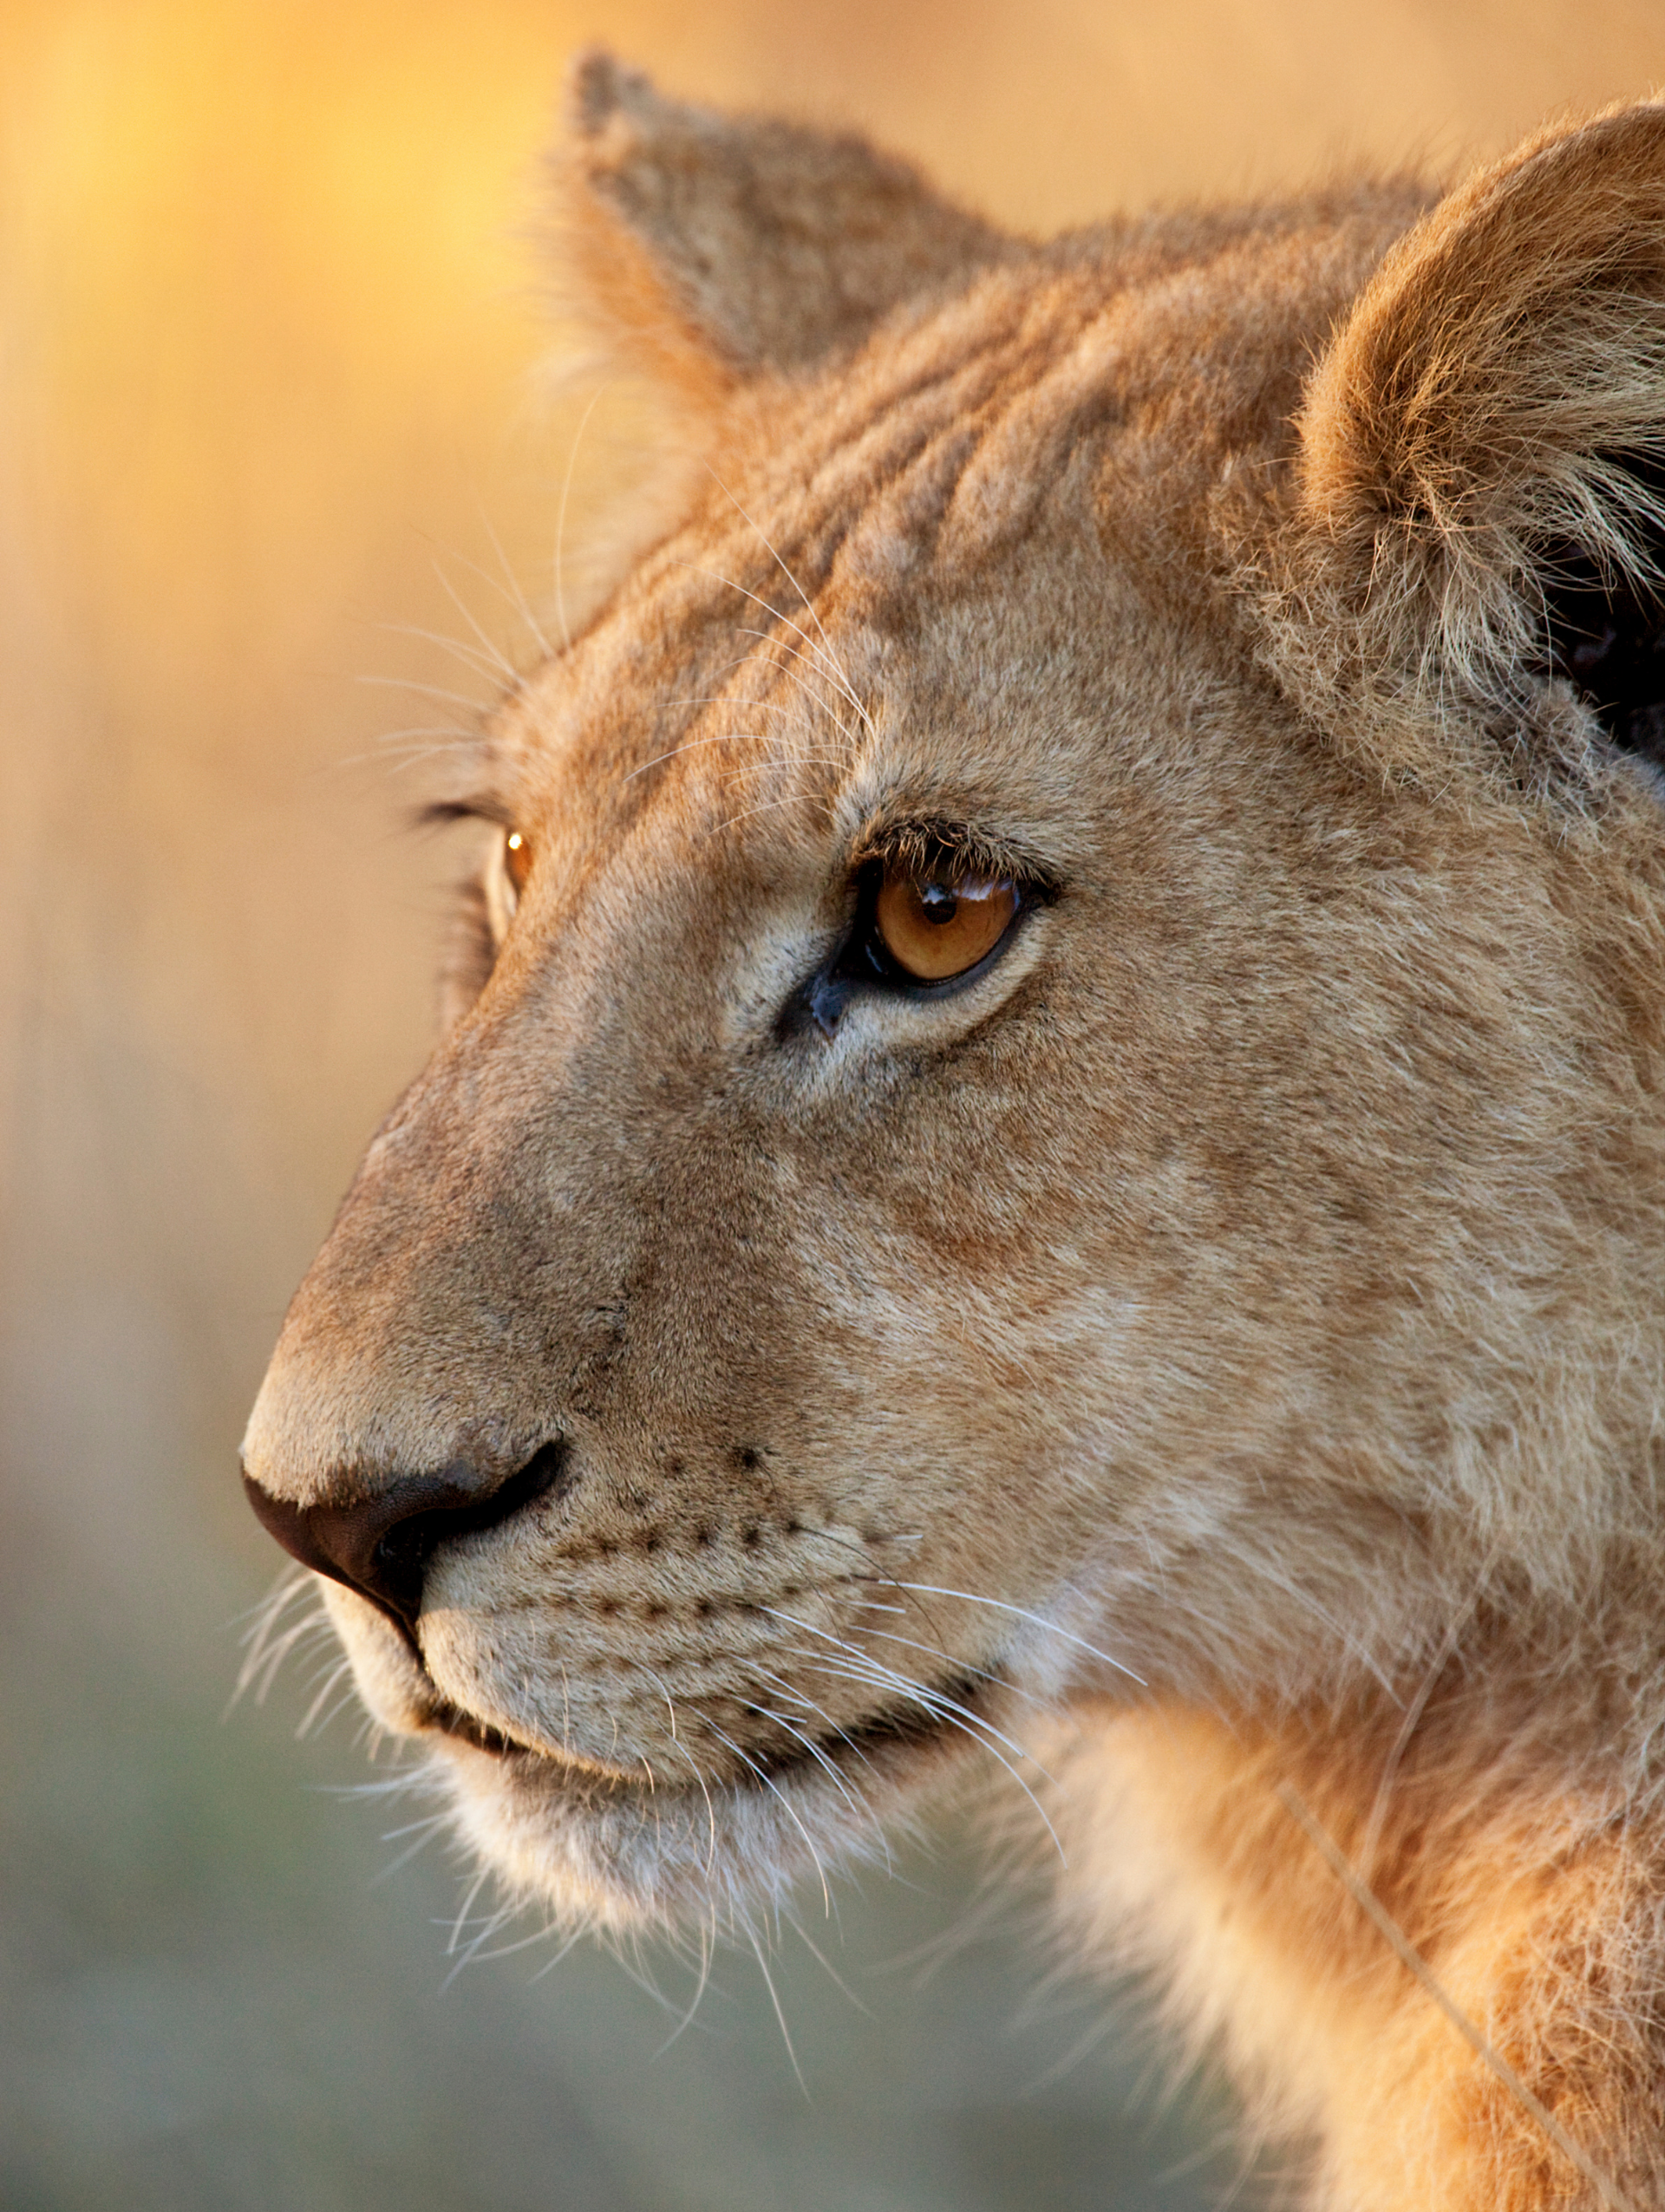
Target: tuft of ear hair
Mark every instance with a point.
(707, 249)
(1480, 522)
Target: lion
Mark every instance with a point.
(1052, 1146)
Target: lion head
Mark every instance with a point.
(1059, 1102)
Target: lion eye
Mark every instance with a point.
(517, 860)
(940, 924)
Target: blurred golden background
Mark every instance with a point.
(275, 419)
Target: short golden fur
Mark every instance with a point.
(1222, 1345)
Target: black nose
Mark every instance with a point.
(380, 1547)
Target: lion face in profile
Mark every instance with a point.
(1059, 1113)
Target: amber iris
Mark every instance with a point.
(517, 860)
(937, 926)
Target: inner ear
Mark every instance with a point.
(1606, 633)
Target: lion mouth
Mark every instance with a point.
(447, 1719)
(924, 1717)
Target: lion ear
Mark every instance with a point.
(709, 248)
(1482, 473)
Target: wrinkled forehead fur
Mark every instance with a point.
(1242, 1293)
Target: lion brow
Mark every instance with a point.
(475, 806)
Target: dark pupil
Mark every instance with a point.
(938, 903)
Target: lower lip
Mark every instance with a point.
(905, 1726)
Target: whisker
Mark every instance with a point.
(711, 1810)
(769, 706)
(880, 1574)
(423, 691)
(903, 1682)
(267, 1646)
(722, 699)
(964, 1666)
(494, 655)
(515, 597)
(461, 739)
(770, 806)
(768, 1782)
(1000, 1605)
(332, 1680)
(465, 1908)
(790, 1690)
(815, 1752)
(880, 1676)
(820, 1712)
(700, 1987)
(486, 664)
(842, 726)
(420, 756)
(550, 1964)
(424, 1831)
(489, 1928)
(956, 1716)
(692, 744)
(836, 679)
(539, 1935)
(768, 1983)
(560, 517)
(631, 1962)
(808, 605)
(826, 1964)
(1395, 1936)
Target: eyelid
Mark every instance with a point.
(501, 895)
(937, 846)
(496, 813)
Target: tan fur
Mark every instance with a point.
(1222, 1348)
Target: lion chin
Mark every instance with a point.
(1048, 1158)
(603, 1843)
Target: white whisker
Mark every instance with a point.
(769, 1783)
(1022, 1613)
(515, 597)
(336, 1674)
(560, 517)
(464, 1909)
(706, 1941)
(267, 1646)
(764, 1712)
(711, 1810)
(550, 1964)
(484, 664)
(770, 806)
(956, 1716)
(496, 657)
(826, 1965)
(692, 744)
(423, 691)
(809, 608)
(802, 685)
(424, 1832)
(768, 1983)
(815, 653)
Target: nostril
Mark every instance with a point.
(381, 1546)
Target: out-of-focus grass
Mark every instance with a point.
(271, 338)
